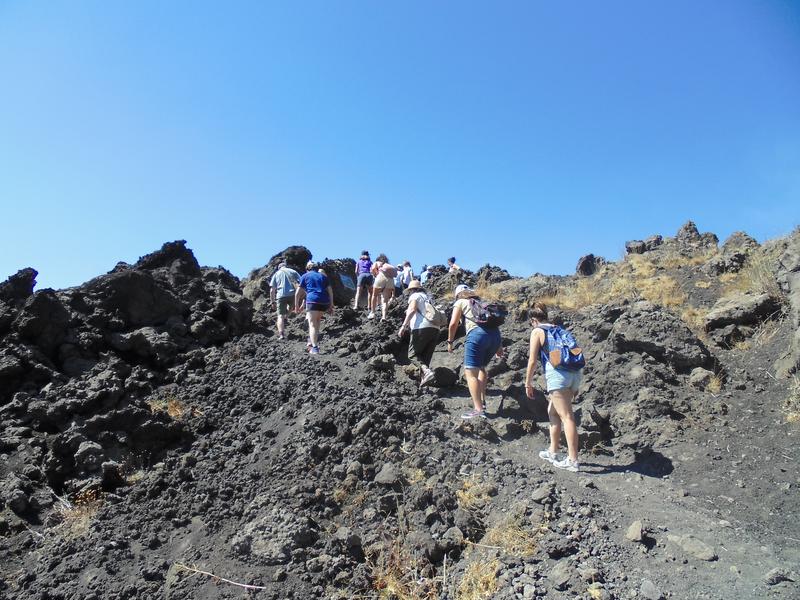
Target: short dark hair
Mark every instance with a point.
(452, 259)
(538, 312)
(382, 258)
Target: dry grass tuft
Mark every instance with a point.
(76, 516)
(791, 405)
(512, 536)
(703, 285)
(398, 574)
(676, 260)
(637, 277)
(479, 581)
(475, 493)
(714, 384)
(758, 275)
(172, 406)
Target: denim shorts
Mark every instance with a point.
(559, 379)
(480, 346)
(365, 280)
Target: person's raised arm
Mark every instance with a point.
(533, 354)
(453, 327)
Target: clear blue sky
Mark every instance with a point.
(519, 133)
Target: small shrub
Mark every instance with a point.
(479, 581)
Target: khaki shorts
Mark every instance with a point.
(382, 282)
(285, 304)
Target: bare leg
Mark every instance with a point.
(561, 405)
(484, 379)
(314, 318)
(358, 297)
(387, 294)
(281, 324)
(373, 300)
(474, 385)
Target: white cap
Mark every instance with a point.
(461, 288)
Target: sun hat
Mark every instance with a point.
(461, 288)
(414, 285)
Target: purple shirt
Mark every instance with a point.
(364, 265)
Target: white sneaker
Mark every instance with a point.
(371, 315)
(550, 456)
(567, 464)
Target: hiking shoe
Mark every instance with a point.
(314, 350)
(567, 464)
(371, 315)
(281, 337)
(427, 378)
(474, 413)
(550, 456)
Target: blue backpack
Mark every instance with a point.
(562, 351)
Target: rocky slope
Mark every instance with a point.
(155, 431)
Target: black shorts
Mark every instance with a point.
(322, 307)
(365, 280)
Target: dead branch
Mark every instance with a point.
(218, 578)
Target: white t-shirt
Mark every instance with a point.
(408, 275)
(418, 321)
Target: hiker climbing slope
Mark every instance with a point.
(561, 362)
(483, 341)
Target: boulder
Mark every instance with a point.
(135, 296)
(646, 327)
(43, 320)
(341, 274)
(693, 547)
(700, 378)
(19, 286)
(689, 238)
(733, 254)
(741, 309)
(489, 274)
(635, 247)
(256, 286)
(588, 264)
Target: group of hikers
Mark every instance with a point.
(380, 281)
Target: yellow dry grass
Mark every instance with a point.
(703, 285)
(479, 581)
(512, 536)
(714, 384)
(635, 278)
(758, 275)
(474, 493)
(397, 574)
(76, 516)
(172, 406)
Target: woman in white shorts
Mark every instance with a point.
(383, 287)
(562, 385)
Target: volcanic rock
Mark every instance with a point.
(741, 309)
(647, 328)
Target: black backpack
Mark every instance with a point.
(489, 315)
